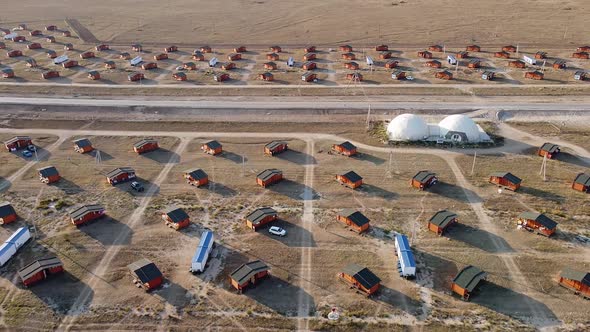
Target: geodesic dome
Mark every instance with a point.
(407, 127)
(461, 124)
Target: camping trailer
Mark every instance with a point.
(529, 60)
(136, 61)
(451, 59)
(213, 62)
(202, 254)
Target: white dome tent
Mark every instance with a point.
(461, 128)
(407, 127)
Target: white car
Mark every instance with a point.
(277, 231)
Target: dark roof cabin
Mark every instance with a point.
(176, 218)
(7, 73)
(39, 270)
(145, 274)
(261, 217)
(248, 274)
(580, 55)
(196, 177)
(467, 280)
(212, 148)
(145, 145)
(7, 213)
(537, 222)
(582, 183)
(85, 213)
(559, 64)
(275, 147)
(266, 76)
(83, 145)
(502, 54)
(390, 64)
(356, 220)
(345, 148)
(577, 281)
(361, 278)
(541, 55)
(17, 143)
(473, 48)
(94, 75)
(269, 177)
(549, 149)
(120, 174)
(509, 48)
(425, 55)
(534, 75)
(444, 75)
(423, 180)
(517, 64)
(48, 174)
(350, 179)
(435, 48)
(433, 64)
(505, 180)
(441, 221)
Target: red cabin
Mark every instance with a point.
(345, 48)
(234, 56)
(7, 213)
(502, 54)
(266, 76)
(161, 56)
(133, 77)
(465, 282)
(391, 64)
(517, 64)
(424, 180)
(505, 180)
(179, 76)
(473, 64)
(385, 55)
(35, 33)
(309, 56)
(534, 75)
(275, 147)
(473, 48)
(582, 183)
(354, 219)
(541, 55)
(577, 281)
(309, 65)
(70, 64)
(68, 46)
(580, 55)
(462, 55)
(583, 49)
(221, 77)
(351, 65)
(40, 270)
(51, 54)
(441, 221)
(145, 145)
(125, 56)
(176, 218)
(7, 73)
(537, 222)
(549, 149)
(170, 49)
(228, 66)
(435, 48)
(272, 57)
(425, 55)
(269, 177)
(559, 64)
(212, 148)
(34, 46)
(121, 174)
(309, 49)
(509, 48)
(270, 66)
(14, 53)
(136, 48)
(48, 174)
(381, 48)
(248, 274)
(348, 56)
(50, 74)
(50, 39)
(149, 66)
(346, 148)
(83, 145)
(87, 55)
(261, 217)
(196, 177)
(361, 278)
(145, 274)
(189, 66)
(350, 179)
(444, 75)
(51, 28)
(110, 64)
(240, 49)
(66, 33)
(17, 143)
(102, 47)
(275, 49)
(205, 49)
(83, 214)
(355, 77)
(19, 39)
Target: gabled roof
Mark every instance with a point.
(540, 218)
(196, 174)
(6, 209)
(347, 145)
(469, 277)
(82, 142)
(356, 217)
(508, 176)
(39, 265)
(48, 171)
(352, 176)
(583, 277)
(120, 170)
(109, 62)
(80, 211)
(246, 271)
(144, 142)
(363, 275)
(145, 270)
(93, 73)
(176, 214)
(550, 147)
(583, 179)
(268, 173)
(443, 218)
(270, 63)
(424, 176)
(213, 145)
(274, 144)
(257, 215)
(17, 138)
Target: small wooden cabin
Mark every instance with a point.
(189, 66)
(272, 56)
(474, 64)
(66, 33)
(161, 56)
(348, 56)
(585, 48)
(228, 65)
(145, 274)
(345, 148)
(17, 143)
(309, 77)
(466, 281)
(582, 183)
(34, 46)
(444, 75)
(433, 64)
(51, 54)
(35, 33)
(559, 64)
(381, 48)
(502, 54)
(175, 217)
(136, 48)
(462, 55)
(266, 76)
(350, 179)
(473, 48)
(149, 66)
(541, 55)
(309, 56)
(425, 54)
(120, 174)
(170, 49)
(198, 56)
(240, 49)
(179, 76)
(221, 77)
(270, 66)
(234, 56)
(534, 75)
(537, 222)
(345, 48)
(488, 75)
(549, 149)
(83, 145)
(517, 64)
(39, 270)
(398, 75)
(51, 27)
(576, 281)
(70, 64)
(505, 180)
(275, 49)
(360, 278)
(248, 274)
(14, 53)
(269, 177)
(196, 177)
(275, 147)
(133, 77)
(94, 75)
(145, 145)
(124, 56)
(48, 174)
(102, 47)
(212, 148)
(509, 48)
(7, 73)
(260, 217)
(68, 46)
(7, 213)
(87, 55)
(423, 180)
(83, 214)
(435, 48)
(354, 219)
(390, 64)
(441, 221)
(309, 49)
(580, 55)
(351, 65)
(206, 49)
(354, 77)
(309, 65)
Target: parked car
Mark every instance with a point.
(277, 231)
(32, 148)
(27, 154)
(137, 186)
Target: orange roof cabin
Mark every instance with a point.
(433, 64)
(145, 274)
(50, 39)
(441, 221)
(580, 55)
(212, 148)
(351, 65)
(423, 180)
(189, 66)
(275, 147)
(145, 145)
(176, 218)
(179, 76)
(261, 217)
(161, 56)
(444, 75)
(133, 77)
(549, 149)
(350, 179)
(360, 278)
(48, 174)
(390, 64)
(198, 56)
(309, 49)
(275, 49)
(576, 281)
(124, 56)
(110, 64)
(94, 75)
(87, 55)
(356, 220)
(269, 177)
(582, 183)
(537, 222)
(517, 64)
(309, 65)
(345, 48)
(462, 55)
(309, 77)
(385, 55)
(196, 177)
(34, 46)
(346, 148)
(534, 75)
(206, 49)
(83, 145)
(435, 48)
(234, 56)
(502, 54)
(272, 56)
(228, 66)
(541, 55)
(136, 48)
(309, 56)
(240, 49)
(17, 143)
(473, 48)
(474, 64)
(40, 270)
(149, 66)
(505, 180)
(83, 214)
(120, 174)
(559, 64)
(348, 56)
(270, 65)
(425, 55)
(248, 274)
(170, 49)
(509, 48)
(381, 48)
(221, 77)
(7, 73)
(355, 77)
(266, 76)
(465, 282)
(7, 213)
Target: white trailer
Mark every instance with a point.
(529, 60)
(10, 35)
(370, 61)
(290, 62)
(407, 264)
(213, 62)
(14, 242)
(7, 250)
(135, 61)
(451, 59)
(202, 254)
(60, 59)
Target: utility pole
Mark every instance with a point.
(98, 158)
(565, 32)
(473, 165)
(517, 48)
(243, 166)
(369, 117)
(389, 170)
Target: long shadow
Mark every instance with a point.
(294, 190)
(267, 291)
(60, 291)
(236, 158)
(221, 189)
(513, 304)
(374, 191)
(68, 187)
(103, 155)
(573, 159)
(398, 300)
(173, 293)
(42, 154)
(479, 238)
(297, 157)
(542, 194)
(223, 260)
(4, 184)
(297, 236)
(162, 156)
(103, 230)
(454, 192)
(434, 271)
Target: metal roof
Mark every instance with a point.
(17, 138)
(550, 147)
(48, 171)
(16, 235)
(145, 270)
(176, 214)
(508, 176)
(80, 211)
(583, 179)
(407, 257)
(469, 277)
(443, 218)
(347, 145)
(119, 171)
(424, 176)
(204, 243)
(583, 277)
(144, 142)
(39, 265)
(363, 275)
(196, 174)
(213, 145)
(257, 215)
(356, 217)
(275, 144)
(6, 209)
(246, 271)
(540, 218)
(268, 173)
(402, 242)
(352, 176)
